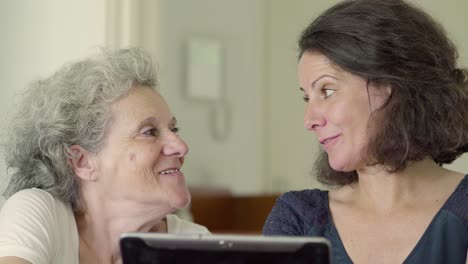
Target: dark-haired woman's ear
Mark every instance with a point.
(384, 90)
(388, 90)
(379, 96)
(82, 163)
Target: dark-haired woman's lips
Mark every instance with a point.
(328, 142)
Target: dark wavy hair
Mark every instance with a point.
(391, 43)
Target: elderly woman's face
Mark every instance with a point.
(338, 109)
(143, 155)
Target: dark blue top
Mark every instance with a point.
(306, 213)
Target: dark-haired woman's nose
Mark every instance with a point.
(313, 118)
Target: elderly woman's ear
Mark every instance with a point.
(82, 163)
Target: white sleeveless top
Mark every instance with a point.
(41, 229)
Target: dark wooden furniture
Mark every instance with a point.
(222, 212)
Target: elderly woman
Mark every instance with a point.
(95, 153)
(389, 106)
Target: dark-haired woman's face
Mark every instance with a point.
(338, 108)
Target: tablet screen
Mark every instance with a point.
(223, 249)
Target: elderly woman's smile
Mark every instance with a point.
(97, 154)
(144, 129)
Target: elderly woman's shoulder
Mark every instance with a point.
(34, 201)
(176, 225)
(35, 219)
(2, 201)
(32, 195)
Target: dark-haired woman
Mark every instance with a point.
(389, 107)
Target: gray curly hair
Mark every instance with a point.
(69, 108)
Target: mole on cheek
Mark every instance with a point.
(132, 156)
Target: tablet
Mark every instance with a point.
(153, 248)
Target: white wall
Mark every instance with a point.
(291, 149)
(38, 37)
(236, 162)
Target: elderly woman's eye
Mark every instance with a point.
(175, 130)
(151, 132)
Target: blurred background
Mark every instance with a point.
(226, 67)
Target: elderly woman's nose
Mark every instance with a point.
(174, 145)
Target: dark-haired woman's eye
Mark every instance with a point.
(327, 92)
(175, 130)
(305, 98)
